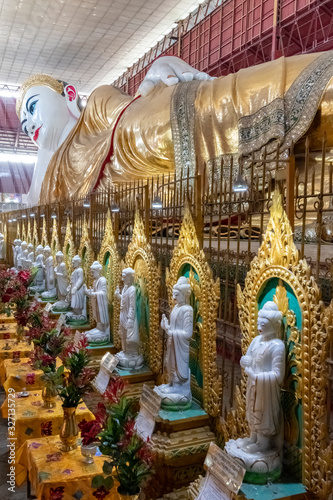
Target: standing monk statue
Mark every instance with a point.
(98, 295)
(129, 357)
(76, 290)
(264, 365)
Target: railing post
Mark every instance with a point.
(147, 210)
(290, 189)
(198, 208)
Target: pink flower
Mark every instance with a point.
(115, 390)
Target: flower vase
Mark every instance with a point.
(19, 333)
(122, 496)
(69, 430)
(89, 451)
(49, 395)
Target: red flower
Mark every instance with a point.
(47, 360)
(101, 414)
(146, 455)
(101, 493)
(89, 431)
(85, 378)
(115, 390)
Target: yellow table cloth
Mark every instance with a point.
(20, 375)
(21, 350)
(7, 331)
(34, 421)
(6, 319)
(57, 475)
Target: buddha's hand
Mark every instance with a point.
(245, 361)
(74, 290)
(169, 70)
(117, 293)
(164, 323)
(250, 373)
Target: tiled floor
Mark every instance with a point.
(20, 493)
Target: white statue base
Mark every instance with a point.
(129, 361)
(36, 288)
(50, 294)
(262, 466)
(98, 335)
(175, 397)
(61, 306)
(76, 319)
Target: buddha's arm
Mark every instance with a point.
(132, 304)
(187, 330)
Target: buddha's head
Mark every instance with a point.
(47, 251)
(45, 106)
(39, 249)
(96, 270)
(269, 320)
(30, 247)
(76, 261)
(128, 275)
(59, 257)
(18, 243)
(181, 291)
(24, 245)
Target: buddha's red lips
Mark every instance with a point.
(37, 133)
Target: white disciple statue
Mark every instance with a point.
(2, 246)
(76, 290)
(60, 271)
(50, 288)
(100, 308)
(18, 251)
(39, 281)
(264, 364)
(176, 395)
(31, 256)
(129, 357)
(14, 247)
(24, 255)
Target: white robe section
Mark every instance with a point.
(178, 348)
(30, 260)
(129, 328)
(78, 299)
(18, 256)
(62, 279)
(263, 408)
(24, 259)
(49, 273)
(39, 278)
(99, 301)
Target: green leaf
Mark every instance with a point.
(108, 483)
(97, 481)
(107, 468)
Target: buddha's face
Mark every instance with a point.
(127, 278)
(177, 296)
(59, 259)
(95, 273)
(75, 263)
(24, 246)
(265, 327)
(44, 115)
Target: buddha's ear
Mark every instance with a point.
(72, 97)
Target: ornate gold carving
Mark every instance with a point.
(207, 292)
(139, 254)
(28, 235)
(37, 80)
(279, 258)
(113, 275)
(86, 253)
(69, 247)
(44, 240)
(35, 235)
(24, 234)
(18, 232)
(55, 243)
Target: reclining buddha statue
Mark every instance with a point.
(180, 120)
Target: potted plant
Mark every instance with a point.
(130, 457)
(89, 439)
(75, 358)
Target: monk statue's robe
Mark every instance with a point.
(189, 126)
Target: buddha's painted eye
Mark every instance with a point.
(32, 107)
